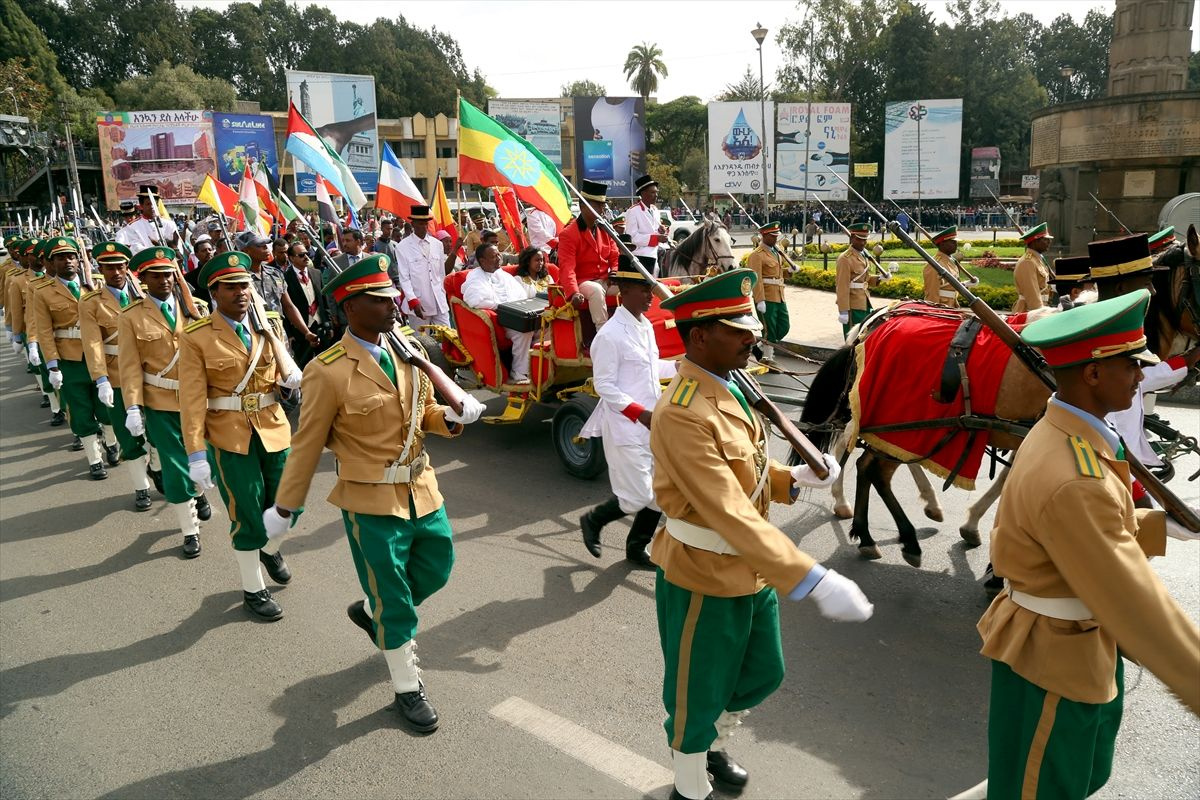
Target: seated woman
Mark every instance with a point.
(489, 286)
(532, 273)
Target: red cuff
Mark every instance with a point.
(1177, 362)
(414, 303)
(633, 411)
(653, 240)
(1139, 491)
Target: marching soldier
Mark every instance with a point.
(721, 563)
(1030, 274)
(20, 324)
(148, 356)
(1162, 241)
(99, 315)
(227, 399)
(644, 224)
(940, 292)
(768, 290)
(854, 279)
(373, 410)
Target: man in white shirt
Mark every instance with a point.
(487, 287)
(541, 229)
(143, 232)
(644, 224)
(421, 263)
(626, 372)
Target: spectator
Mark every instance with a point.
(532, 273)
(488, 287)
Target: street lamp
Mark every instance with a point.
(760, 34)
(1066, 70)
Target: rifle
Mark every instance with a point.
(791, 264)
(1111, 214)
(925, 232)
(1037, 365)
(187, 302)
(1003, 208)
(882, 273)
(691, 213)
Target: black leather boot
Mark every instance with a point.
(58, 418)
(141, 500)
(156, 480)
(645, 523)
(593, 521)
(203, 509)
(112, 453)
(262, 605)
(276, 567)
(358, 614)
(98, 472)
(417, 711)
(725, 770)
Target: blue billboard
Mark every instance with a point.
(239, 139)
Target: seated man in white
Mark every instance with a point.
(488, 286)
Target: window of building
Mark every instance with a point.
(446, 149)
(409, 148)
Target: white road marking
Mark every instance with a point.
(618, 762)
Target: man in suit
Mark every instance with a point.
(304, 284)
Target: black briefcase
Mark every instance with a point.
(522, 315)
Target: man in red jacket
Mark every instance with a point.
(586, 255)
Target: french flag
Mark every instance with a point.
(396, 193)
(304, 143)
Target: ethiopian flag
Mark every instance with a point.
(489, 154)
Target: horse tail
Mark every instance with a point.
(827, 400)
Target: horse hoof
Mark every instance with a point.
(843, 511)
(970, 536)
(913, 559)
(870, 552)
(934, 514)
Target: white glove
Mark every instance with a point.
(134, 423)
(471, 411)
(201, 474)
(275, 523)
(18, 348)
(35, 358)
(974, 281)
(104, 391)
(1177, 531)
(840, 599)
(844, 318)
(292, 381)
(761, 305)
(803, 475)
(55, 379)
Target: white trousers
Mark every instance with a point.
(521, 342)
(596, 294)
(631, 474)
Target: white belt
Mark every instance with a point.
(395, 473)
(702, 538)
(772, 281)
(1070, 608)
(110, 350)
(162, 383)
(947, 292)
(66, 333)
(858, 285)
(245, 402)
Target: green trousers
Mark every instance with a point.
(247, 484)
(1041, 745)
(777, 321)
(43, 372)
(78, 394)
(857, 315)
(131, 447)
(163, 431)
(720, 654)
(400, 563)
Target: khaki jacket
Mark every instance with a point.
(707, 461)
(938, 291)
(212, 362)
(352, 408)
(7, 273)
(1032, 280)
(52, 308)
(769, 270)
(147, 344)
(99, 315)
(14, 301)
(853, 280)
(1060, 532)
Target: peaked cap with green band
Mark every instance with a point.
(111, 253)
(1164, 238)
(229, 267)
(1039, 231)
(369, 276)
(1093, 331)
(727, 297)
(153, 259)
(943, 235)
(769, 227)
(862, 229)
(59, 244)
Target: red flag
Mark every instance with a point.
(443, 219)
(510, 217)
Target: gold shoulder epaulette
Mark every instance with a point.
(89, 295)
(131, 307)
(332, 354)
(14, 271)
(1086, 460)
(274, 315)
(196, 325)
(38, 283)
(684, 392)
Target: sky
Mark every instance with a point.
(530, 49)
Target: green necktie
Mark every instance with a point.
(243, 334)
(389, 367)
(74, 287)
(166, 309)
(123, 297)
(1121, 450)
(741, 398)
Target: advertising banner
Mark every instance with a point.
(342, 109)
(169, 150)
(540, 124)
(610, 142)
(241, 139)
(867, 170)
(829, 147)
(735, 147)
(985, 171)
(921, 149)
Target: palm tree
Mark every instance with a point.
(643, 67)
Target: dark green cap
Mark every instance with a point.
(1093, 331)
(369, 276)
(230, 267)
(111, 253)
(727, 297)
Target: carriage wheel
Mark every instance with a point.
(583, 458)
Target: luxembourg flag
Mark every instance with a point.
(304, 143)
(396, 193)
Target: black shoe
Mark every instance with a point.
(203, 509)
(725, 770)
(276, 567)
(98, 471)
(155, 476)
(641, 531)
(113, 453)
(675, 795)
(591, 534)
(357, 612)
(640, 559)
(593, 521)
(76, 444)
(417, 711)
(141, 500)
(191, 545)
(45, 402)
(262, 605)
(57, 418)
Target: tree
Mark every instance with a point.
(643, 67)
(677, 127)
(174, 87)
(1194, 72)
(747, 87)
(668, 184)
(1083, 48)
(584, 88)
(20, 36)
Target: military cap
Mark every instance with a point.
(148, 190)
(369, 276)
(153, 259)
(769, 227)
(1070, 272)
(945, 235)
(231, 267)
(625, 270)
(727, 297)
(1093, 331)
(593, 191)
(59, 244)
(619, 221)
(1163, 239)
(251, 239)
(419, 213)
(1124, 255)
(1039, 231)
(111, 253)
(860, 230)
(128, 206)
(643, 183)
(32, 246)
(16, 245)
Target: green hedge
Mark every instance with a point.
(896, 244)
(1000, 298)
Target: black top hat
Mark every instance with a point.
(1112, 259)
(147, 190)
(625, 270)
(419, 212)
(596, 192)
(1071, 272)
(643, 183)
(128, 206)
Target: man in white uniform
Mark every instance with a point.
(626, 372)
(143, 231)
(487, 287)
(421, 262)
(644, 224)
(541, 229)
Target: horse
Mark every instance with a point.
(1176, 323)
(708, 247)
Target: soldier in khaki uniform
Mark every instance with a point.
(148, 356)
(937, 291)
(19, 325)
(373, 411)
(1080, 593)
(768, 290)
(1030, 275)
(721, 563)
(854, 279)
(99, 315)
(228, 398)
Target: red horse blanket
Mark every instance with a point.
(899, 370)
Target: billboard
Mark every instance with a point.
(342, 109)
(736, 140)
(170, 150)
(540, 124)
(985, 171)
(610, 141)
(797, 163)
(921, 144)
(241, 139)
